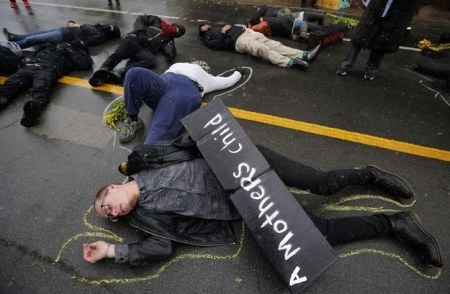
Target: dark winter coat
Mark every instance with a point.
(149, 32)
(9, 61)
(96, 34)
(216, 40)
(64, 57)
(384, 34)
(281, 25)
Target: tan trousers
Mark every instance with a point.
(256, 44)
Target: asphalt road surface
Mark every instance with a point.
(50, 173)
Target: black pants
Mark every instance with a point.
(130, 48)
(338, 230)
(41, 78)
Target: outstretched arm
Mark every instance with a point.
(96, 251)
(143, 252)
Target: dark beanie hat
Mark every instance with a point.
(181, 29)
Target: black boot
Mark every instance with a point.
(99, 77)
(390, 183)
(31, 114)
(117, 76)
(407, 227)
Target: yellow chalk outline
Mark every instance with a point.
(103, 233)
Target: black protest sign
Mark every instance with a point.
(218, 135)
(284, 231)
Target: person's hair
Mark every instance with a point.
(101, 192)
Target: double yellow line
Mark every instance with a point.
(320, 130)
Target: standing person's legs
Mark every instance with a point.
(181, 99)
(373, 64)
(53, 36)
(349, 60)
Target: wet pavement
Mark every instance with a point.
(50, 173)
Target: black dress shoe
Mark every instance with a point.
(31, 114)
(390, 183)
(407, 226)
(99, 77)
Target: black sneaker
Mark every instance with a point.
(342, 71)
(31, 114)
(369, 75)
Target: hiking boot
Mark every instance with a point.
(407, 227)
(26, 3)
(390, 183)
(31, 114)
(310, 54)
(13, 4)
(129, 130)
(342, 71)
(99, 77)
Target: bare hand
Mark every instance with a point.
(226, 28)
(94, 252)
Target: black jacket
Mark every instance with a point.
(149, 32)
(281, 25)
(93, 34)
(70, 34)
(161, 229)
(64, 57)
(384, 34)
(216, 40)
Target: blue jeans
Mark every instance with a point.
(372, 64)
(170, 96)
(53, 36)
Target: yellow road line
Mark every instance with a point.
(343, 134)
(355, 137)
